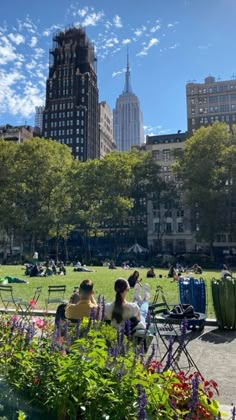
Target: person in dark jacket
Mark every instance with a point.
(133, 279)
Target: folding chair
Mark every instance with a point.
(28, 306)
(7, 297)
(55, 295)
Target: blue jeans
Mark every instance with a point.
(143, 311)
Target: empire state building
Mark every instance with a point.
(127, 118)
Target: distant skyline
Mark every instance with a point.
(170, 43)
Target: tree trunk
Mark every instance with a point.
(66, 250)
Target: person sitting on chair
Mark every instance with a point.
(121, 310)
(82, 308)
(60, 316)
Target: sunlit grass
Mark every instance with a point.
(103, 280)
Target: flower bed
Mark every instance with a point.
(89, 371)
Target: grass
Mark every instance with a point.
(103, 280)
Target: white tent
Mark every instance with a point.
(136, 249)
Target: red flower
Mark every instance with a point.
(32, 303)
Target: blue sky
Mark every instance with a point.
(170, 43)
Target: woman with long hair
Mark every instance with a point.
(121, 310)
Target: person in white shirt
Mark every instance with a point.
(121, 310)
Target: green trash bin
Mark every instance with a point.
(224, 302)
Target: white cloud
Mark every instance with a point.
(7, 51)
(33, 42)
(28, 24)
(82, 12)
(22, 103)
(92, 19)
(153, 130)
(16, 38)
(38, 52)
(117, 73)
(155, 28)
(51, 29)
(139, 31)
(110, 43)
(174, 46)
(117, 21)
(151, 43)
(170, 25)
(126, 41)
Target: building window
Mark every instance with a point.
(180, 227)
(168, 228)
(180, 213)
(166, 154)
(156, 154)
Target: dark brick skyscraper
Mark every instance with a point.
(71, 109)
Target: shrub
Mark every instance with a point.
(90, 371)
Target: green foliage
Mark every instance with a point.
(91, 372)
(207, 172)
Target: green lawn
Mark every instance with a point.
(103, 280)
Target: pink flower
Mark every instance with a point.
(40, 323)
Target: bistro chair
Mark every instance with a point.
(56, 294)
(28, 306)
(8, 299)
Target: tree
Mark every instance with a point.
(40, 169)
(8, 216)
(204, 172)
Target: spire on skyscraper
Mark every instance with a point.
(127, 88)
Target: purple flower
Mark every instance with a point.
(194, 397)
(169, 354)
(78, 329)
(127, 329)
(142, 403)
(121, 372)
(103, 309)
(150, 357)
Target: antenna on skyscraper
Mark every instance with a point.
(233, 76)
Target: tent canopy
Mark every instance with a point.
(136, 249)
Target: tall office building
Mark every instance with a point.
(107, 143)
(209, 102)
(38, 122)
(127, 118)
(71, 109)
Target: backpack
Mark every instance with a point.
(183, 311)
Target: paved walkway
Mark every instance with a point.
(214, 353)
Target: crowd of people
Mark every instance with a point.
(45, 269)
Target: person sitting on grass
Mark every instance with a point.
(133, 279)
(151, 273)
(196, 269)
(225, 272)
(121, 310)
(86, 303)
